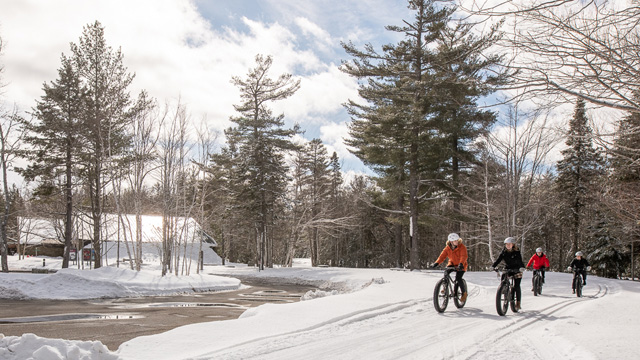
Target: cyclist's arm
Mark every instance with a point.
(530, 261)
(443, 255)
(495, 263)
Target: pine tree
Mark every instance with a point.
(421, 111)
(262, 141)
(57, 141)
(623, 189)
(318, 190)
(578, 172)
(108, 110)
(606, 253)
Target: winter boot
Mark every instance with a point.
(463, 298)
(574, 290)
(517, 305)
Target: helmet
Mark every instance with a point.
(509, 240)
(579, 253)
(453, 237)
(539, 250)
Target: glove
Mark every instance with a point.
(460, 266)
(522, 269)
(588, 268)
(434, 265)
(569, 268)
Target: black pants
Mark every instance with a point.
(516, 285)
(541, 274)
(583, 272)
(459, 275)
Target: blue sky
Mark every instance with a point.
(188, 50)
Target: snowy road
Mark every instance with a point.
(396, 320)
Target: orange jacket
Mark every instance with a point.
(456, 256)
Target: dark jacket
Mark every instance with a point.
(579, 264)
(512, 259)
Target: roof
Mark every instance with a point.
(35, 230)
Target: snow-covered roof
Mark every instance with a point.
(37, 230)
(114, 228)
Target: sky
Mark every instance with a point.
(360, 313)
(188, 51)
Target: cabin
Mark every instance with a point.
(45, 237)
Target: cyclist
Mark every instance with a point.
(581, 264)
(513, 261)
(457, 254)
(540, 262)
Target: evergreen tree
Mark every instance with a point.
(262, 140)
(421, 97)
(606, 253)
(578, 172)
(56, 140)
(623, 189)
(318, 189)
(108, 110)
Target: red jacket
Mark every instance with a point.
(538, 261)
(456, 256)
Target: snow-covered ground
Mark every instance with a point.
(372, 313)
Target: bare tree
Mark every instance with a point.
(11, 134)
(522, 146)
(144, 139)
(568, 49)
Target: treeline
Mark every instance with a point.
(442, 162)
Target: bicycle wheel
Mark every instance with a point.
(457, 294)
(536, 285)
(502, 299)
(579, 285)
(540, 282)
(441, 296)
(512, 299)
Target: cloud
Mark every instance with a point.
(178, 53)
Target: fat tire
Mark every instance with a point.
(440, 301)
(536, 285)
(540, 282)
(579, 285)
(457, 294)
(512, 301)
(502, 299)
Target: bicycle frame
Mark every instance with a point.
(447, 288)
(537, 282)
(505, 296)
(577, 281)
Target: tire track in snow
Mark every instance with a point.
(275, 343)
(518, 324)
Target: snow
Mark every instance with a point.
(355, 313)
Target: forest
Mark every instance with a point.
(458, 123)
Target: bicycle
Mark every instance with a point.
(505, 296)
(537, 282)
(577, 281)
(444, 290)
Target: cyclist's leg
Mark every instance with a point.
(517, 288)
(459, 281)
(542, 270)
(584, 277)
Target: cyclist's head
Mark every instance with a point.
(579, 253)
(539, 250)
(509, 243)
